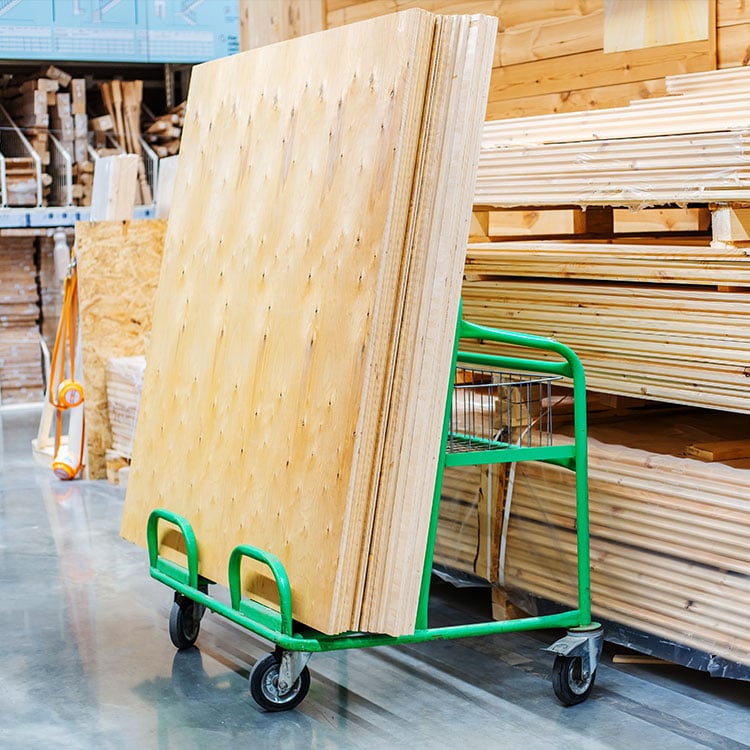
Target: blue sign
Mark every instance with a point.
(154, 31)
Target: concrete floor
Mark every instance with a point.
(86, 660)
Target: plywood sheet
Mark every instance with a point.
(118, 272)
(268, 391)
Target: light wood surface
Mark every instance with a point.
(669, 540)
(680, 344)
(118, 272)
(296, 322)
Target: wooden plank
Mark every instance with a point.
(651, 220)
(731, 12)
(269, 21)
(115, 184)
(479, 228)
(587, 70)
(293, 405)
(556, 37)
(730, 224)
(636, 24)
(526, 223)
(599, 97)
(733, 48)
(442, 220)
(118, 271)
(719, 451)
(631, 339)
(670, 587)
(710, 82)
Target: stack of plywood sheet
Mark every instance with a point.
(670, 535)
(20, 353)
(296, 378)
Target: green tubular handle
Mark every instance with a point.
(191, 546)
(279, 574)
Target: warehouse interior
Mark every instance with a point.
(240, 427)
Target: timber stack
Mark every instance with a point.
(625, 233)
(340, 425)
(21, 377)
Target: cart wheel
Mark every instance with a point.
(570, 688)
(185, 623)
(264, 686)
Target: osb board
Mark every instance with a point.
(118, 272)
(273, 330)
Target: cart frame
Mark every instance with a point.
(284, 673)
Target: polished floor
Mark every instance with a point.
(86, 661)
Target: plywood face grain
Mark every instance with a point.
(118, 271)
(272, 325)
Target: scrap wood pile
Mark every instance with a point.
(315, 441)
(21, 376)
(164, 132)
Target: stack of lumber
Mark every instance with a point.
(122, 100)
(20, 354)
(670, 536)
(53, 102)
(164, 132)
(691, 145)
(124, 384)
(315, 441)
(22, 180)
(650, 316)
(684, 344)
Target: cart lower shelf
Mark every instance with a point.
(281, 680)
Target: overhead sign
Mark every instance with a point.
(151, 31)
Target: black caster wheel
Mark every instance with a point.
(569, 685)
(185, 622)
(264, 686)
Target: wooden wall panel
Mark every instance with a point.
(549, 55)
(118, 271)
(268, 21)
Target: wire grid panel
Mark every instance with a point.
(494, 409)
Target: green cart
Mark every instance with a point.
(498, 411)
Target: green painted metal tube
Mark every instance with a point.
(279, 574)
(313, 642)
(191, 545)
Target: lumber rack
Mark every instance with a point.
(497, 411)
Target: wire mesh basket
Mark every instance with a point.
(494, 409)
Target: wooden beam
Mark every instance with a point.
(722, 450)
